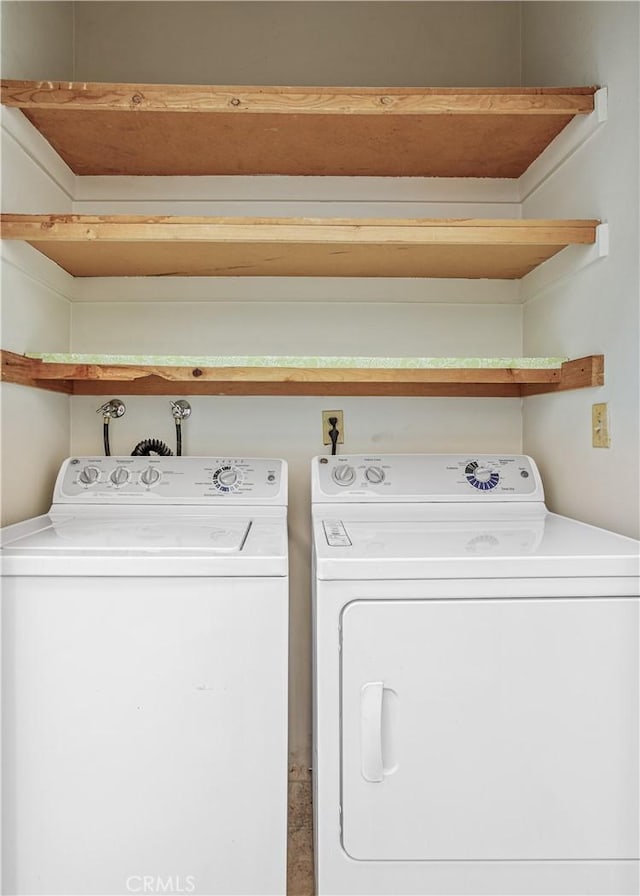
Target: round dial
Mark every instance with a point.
(481, 476)
(375, 475)
(150, 476)
(89, 475)
(226, 479)
(120, 476)
(344, 475)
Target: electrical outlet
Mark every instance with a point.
(326, 426)
(600, 426)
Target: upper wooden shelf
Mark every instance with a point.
(166, 379)
(154, 129)
(134, 246)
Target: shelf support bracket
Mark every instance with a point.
(601, 105)
(602, 240)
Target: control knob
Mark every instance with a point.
(481, 476)
(344, 475)
(149, 476)
(89, 475)
(120, 476)
(375, 475)
(227, 476)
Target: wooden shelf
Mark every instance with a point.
(143, 379)
(124, 129)
(134, 246)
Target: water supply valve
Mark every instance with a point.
(110, 410)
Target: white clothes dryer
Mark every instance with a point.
(145, 630)
(475, 683)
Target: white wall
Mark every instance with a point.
(37, 42)
(596, 310)
(35, 424)
(304, 43)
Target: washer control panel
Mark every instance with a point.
(171, 480)
(426, 477)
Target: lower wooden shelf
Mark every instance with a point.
(151, 379)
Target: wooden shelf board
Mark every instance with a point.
(99, 379)
(124, 245)
(154, 129)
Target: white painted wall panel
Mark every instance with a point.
(311, 43)
(267, 188)
(34, 423)
(289, 328)
(267, 196)
(34, 442)
(34, 314)
(37, 39)
(597, 309)
(35, 180)
(37, 42)
(334, 290)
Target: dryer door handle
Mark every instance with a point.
(372, 766)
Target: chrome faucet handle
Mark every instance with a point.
(180, 409)
(112, 409)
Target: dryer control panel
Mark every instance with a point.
(426, 478)
(171, 480)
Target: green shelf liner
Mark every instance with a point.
(297, 361)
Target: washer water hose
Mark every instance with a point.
(115, 408)
(180, 409)
(151, 446)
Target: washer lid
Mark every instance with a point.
(532, 546)
(148, 544)
(137, 534)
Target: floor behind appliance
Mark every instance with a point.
(145, 627)
(475, 684)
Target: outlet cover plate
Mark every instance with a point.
(600, 437)
(326, 426)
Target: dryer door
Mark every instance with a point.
(490, 729)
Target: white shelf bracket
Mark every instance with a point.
(601, 105)
(602, 240)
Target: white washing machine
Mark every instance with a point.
(145, 630)
(476, 684)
